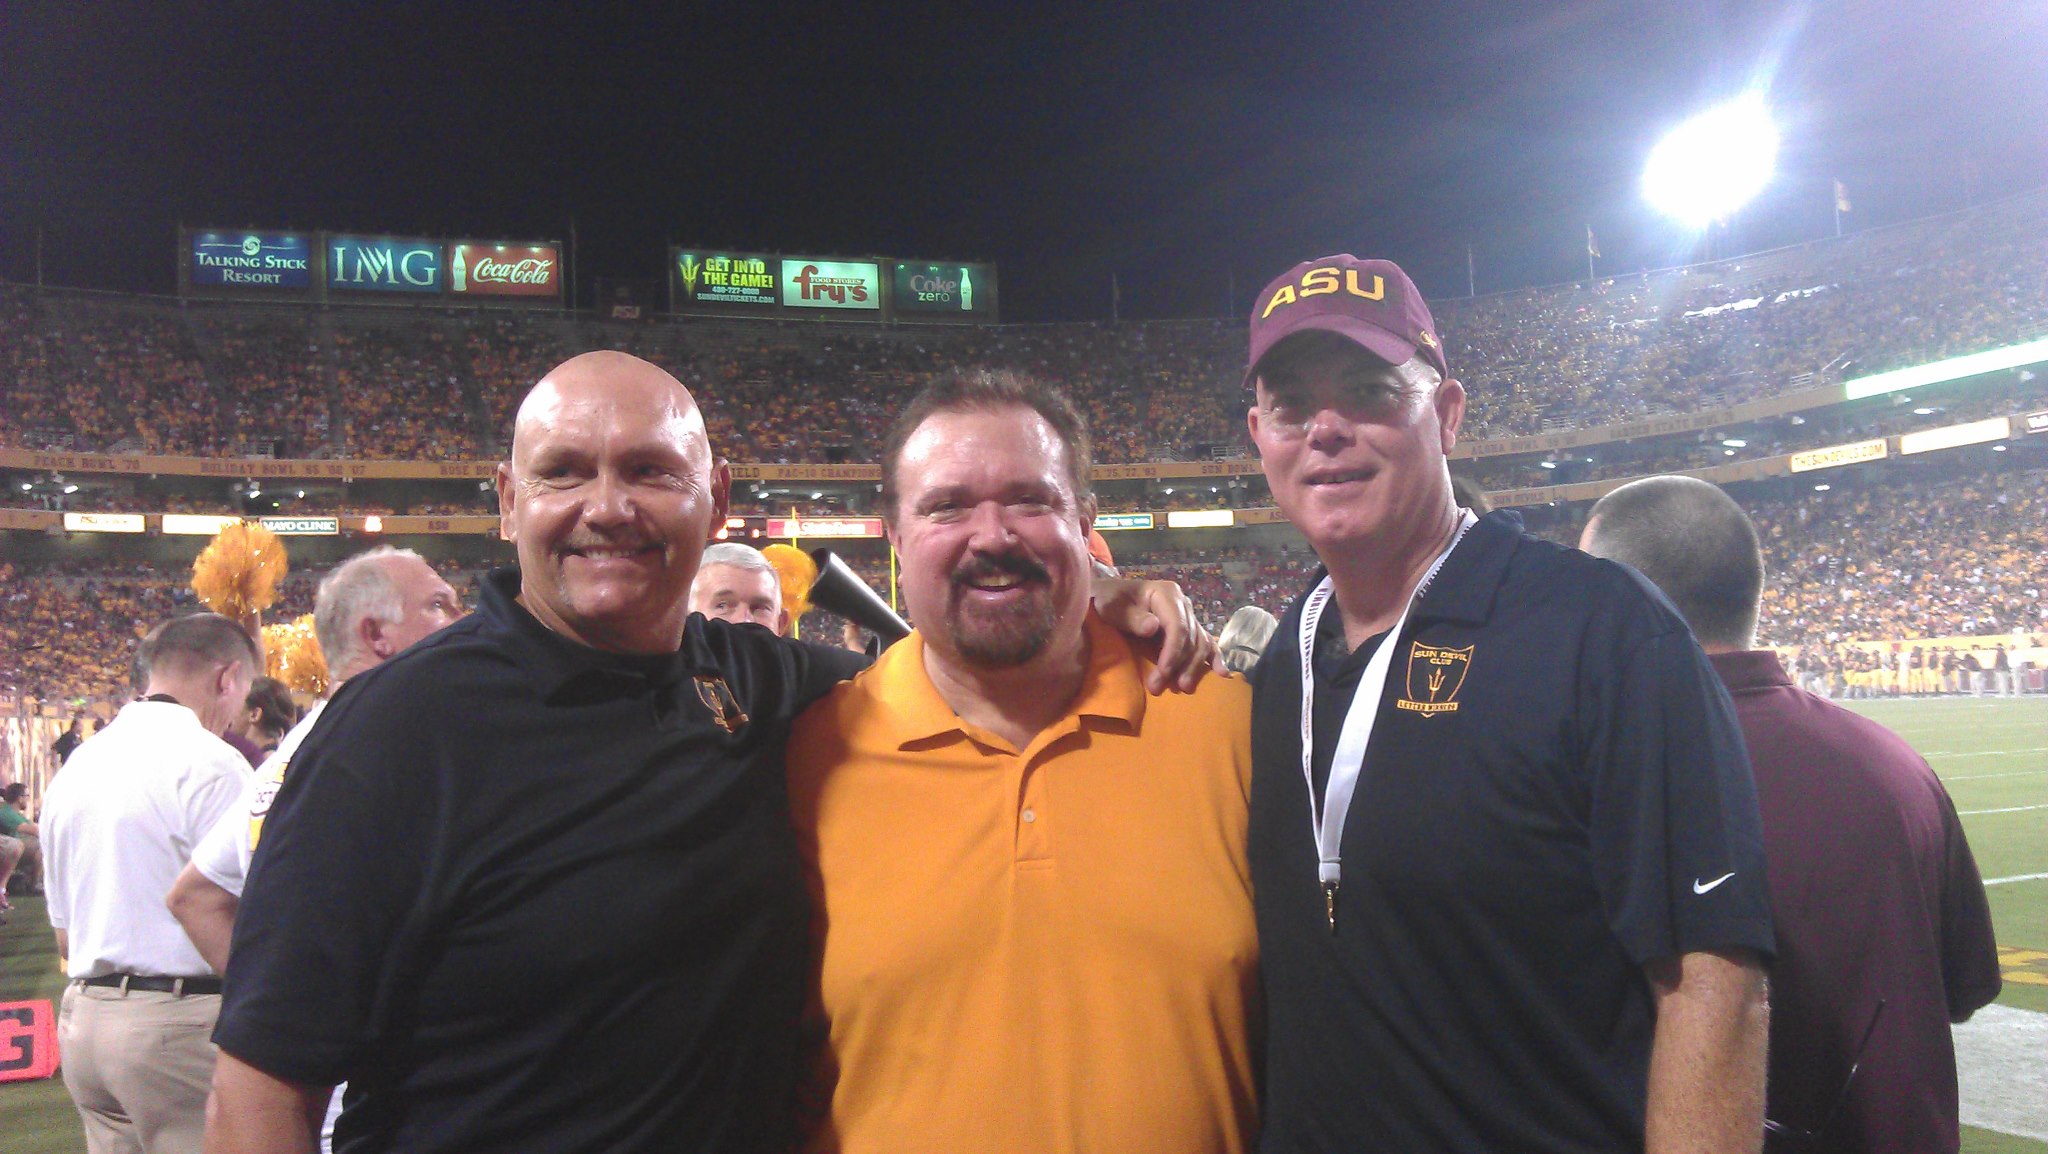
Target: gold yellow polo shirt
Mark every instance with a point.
(1047, 949)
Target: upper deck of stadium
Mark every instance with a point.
(97, 373)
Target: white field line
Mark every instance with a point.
(1931, 753)
(2015, 878)
(1988, 776)
(2007, 809)
(1999, 1070)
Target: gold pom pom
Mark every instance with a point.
(238, 571)
(796, 572)
(291, 652)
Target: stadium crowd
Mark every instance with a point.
(1851, 565)
(91, 373)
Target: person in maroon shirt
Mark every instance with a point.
(1884, 935)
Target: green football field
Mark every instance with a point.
(1992, 753)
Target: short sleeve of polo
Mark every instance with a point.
(1677, 845)
(820, 667)
(221, 856)
(326, 895)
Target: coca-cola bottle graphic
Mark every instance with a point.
(458, 273)
(966, 292)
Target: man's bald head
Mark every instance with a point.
(1693, 542)
(588, 377)
(610, 496)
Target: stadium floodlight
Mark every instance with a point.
(1713, 164)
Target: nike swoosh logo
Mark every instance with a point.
(1700, 887)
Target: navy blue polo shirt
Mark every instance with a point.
(526, 895)
(1556, 793)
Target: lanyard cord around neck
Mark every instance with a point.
(1327, 826)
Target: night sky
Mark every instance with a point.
(1177, 146)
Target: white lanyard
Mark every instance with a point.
(1328, 826)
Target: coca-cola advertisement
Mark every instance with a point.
(505, 270)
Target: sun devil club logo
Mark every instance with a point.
(718, 697)
(1435, 675)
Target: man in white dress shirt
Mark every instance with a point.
(118, 824)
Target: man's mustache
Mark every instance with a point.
(983, 566)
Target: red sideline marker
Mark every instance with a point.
(28, 1041)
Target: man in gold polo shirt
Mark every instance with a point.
(1031, 889)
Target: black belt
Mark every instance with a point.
(156, 984)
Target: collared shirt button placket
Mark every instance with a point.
(1033, 842)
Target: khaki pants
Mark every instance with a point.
(138, 1066)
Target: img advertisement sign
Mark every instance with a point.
(723, 278)
(383, 264)
(259, 260)
(824, 284)
(505, 270)
(959, 289)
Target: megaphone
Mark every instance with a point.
(839, 590)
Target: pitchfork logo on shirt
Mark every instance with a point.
(1435, 675)
(718, 697)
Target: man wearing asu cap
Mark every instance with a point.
(1508, 874)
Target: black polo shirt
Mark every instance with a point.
(524, 895)
(1554, 771)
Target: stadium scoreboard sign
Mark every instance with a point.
(839, 528)
(827, 284)
(1111, 522)
(721, 280)
(1835, 456)
(103, 523)
(706, 281)
(195, 524)
(322, 266)
(217, 258)
(1956, 436)
(383, 264)
(943, 290)
(504, 270)
(301, 526)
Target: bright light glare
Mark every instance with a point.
(1714, 163)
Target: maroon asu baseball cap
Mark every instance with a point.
(1372, 302)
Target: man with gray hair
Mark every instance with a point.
(1877, 900)
(369, 608)
(118, 824)
(736, 583)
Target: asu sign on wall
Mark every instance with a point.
(504, 270)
